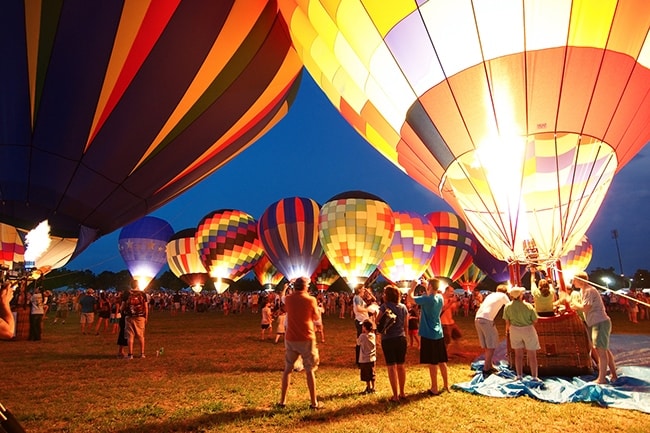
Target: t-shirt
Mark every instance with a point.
(368, 347)
(430, 325)
(520, 313)
(302, 310)
(491, 306)
(594, 307)
(87, 303)
(358, 301)
(543, 304)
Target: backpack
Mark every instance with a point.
(386, 320)
(135, 304)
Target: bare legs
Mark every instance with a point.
(397, 379)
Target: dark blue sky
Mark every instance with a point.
(314, 153)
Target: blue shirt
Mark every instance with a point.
(397, 330)
(431, 307)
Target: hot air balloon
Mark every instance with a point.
(517, 113)
(411, 249)
(12, 248)
(325, 275)
(496, 269)
(288, 230)
(355, 229)
(455, 248)
(143, 246)
(184, 261)
(576, 260)
(228, 245)
(267, 274)
(110, 112)
(471, 278)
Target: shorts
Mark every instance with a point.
(413, 332)
(524, 337)
(305, 349)
(87, 318)
(394, 350)
(433, 352)
(134, 327)
(600, 333)
(367, 370)
(451, 332)
(265, 326)
(488, 335)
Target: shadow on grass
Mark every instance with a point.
(294, 413)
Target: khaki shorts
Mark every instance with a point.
(295, 349)
(134, 327)
(524, 337)
(87, 318)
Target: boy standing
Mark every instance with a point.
(367, 355)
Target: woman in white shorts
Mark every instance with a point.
(520, 317)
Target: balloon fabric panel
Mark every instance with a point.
(85, 85)
(183, 258)
(455, 247)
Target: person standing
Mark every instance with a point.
(520, 317)
(87, 304)
(433, 350)
(136, 311)
(21, 307)
(7, 323)
(393, 341)
(488, 335)
(267, 320)
(367, 356)
(361, 313)
(450, 329)
(36, 315)
(599, 323)
(300, 339)
(61, 308)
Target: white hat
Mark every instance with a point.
(516, 291)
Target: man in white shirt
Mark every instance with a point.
(488, 335)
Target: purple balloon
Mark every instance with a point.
(494, 268)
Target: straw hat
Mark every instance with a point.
(516, 291)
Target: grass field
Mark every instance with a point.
(216, 375)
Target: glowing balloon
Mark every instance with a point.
(12, 248)
(471, 278)
(325, 275)
(184, 261)
(288, 230)
(355, 230)
(267, 274)
(143, 246)
(228, 246)
(577, 259)
(109, 113)
(517, 113)
(455, 248)
(411, 249)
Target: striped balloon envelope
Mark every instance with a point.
(112, 109)
(12, 247)
(184, 261)
(577, 259)
(227, 243)
(411, 249)
(325, 275)
(455, 248)
(288, 230)
(517, 113)
(267, 274)
(471, 278)
(143, 246)
(355, 229)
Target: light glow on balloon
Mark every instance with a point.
(184, 261)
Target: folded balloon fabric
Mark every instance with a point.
(631, 390)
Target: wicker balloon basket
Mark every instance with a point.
(565, 348)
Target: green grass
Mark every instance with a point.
(216, 375)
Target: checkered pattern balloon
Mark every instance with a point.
(411, 250)
(183, 258)
(355, 230)
(267, 274)
(455, 248)
(227, 243)
(579, 257)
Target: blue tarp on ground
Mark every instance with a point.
(630, 391)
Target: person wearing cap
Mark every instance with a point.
(7, 323)
(520, 317)
(598, 322)
(87, 304)
(488, 335)
(300, 339)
